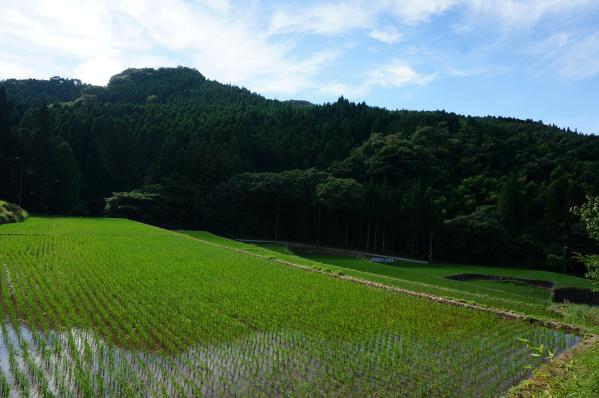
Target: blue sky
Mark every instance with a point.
(535, 59)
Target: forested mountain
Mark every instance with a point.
(179, 150)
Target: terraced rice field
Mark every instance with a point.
(432, 279)
(106, 307)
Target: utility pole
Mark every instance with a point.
(20, 179)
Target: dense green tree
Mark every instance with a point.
(556, 207)
(7, 150)
(511, 205)
(384, 207)
(64, 192)
(342, 197)
(4, 114)
(589, 213)
(50, 178)
(269, 190)
(421, 215)
(477, 238)
(174, 202)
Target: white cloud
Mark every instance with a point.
(98, 70)
(389, 35)
(217, 5)
(416, 11)
(568, 55)
(337, 89)
(335, 17)
(233, 43)
(526, 13)
(98, 38)
(263, 69)
(395, 74)
(338, 17)
(488, 70)
(70, 28)
(581, 59)
(324, 18)
(551, 45)
(9, 70)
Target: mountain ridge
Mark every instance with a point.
(193, 76)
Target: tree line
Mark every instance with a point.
(175, 149)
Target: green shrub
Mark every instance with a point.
(475, 238)
(10, 213)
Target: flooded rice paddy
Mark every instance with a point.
(79, 364)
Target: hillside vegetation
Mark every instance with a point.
(182, 151)
(10, 213)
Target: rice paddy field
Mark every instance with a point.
(110, 307)
(432, 279)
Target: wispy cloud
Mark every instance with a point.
(336, 17)
(11, 69)
(217, 5)
(337, 89)
(569, 55)
(389, 35)
(324, 18)
(525, 13)
(395, 74)
(103, 37)
(340, 17)
(488, 70)
(417, 11)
